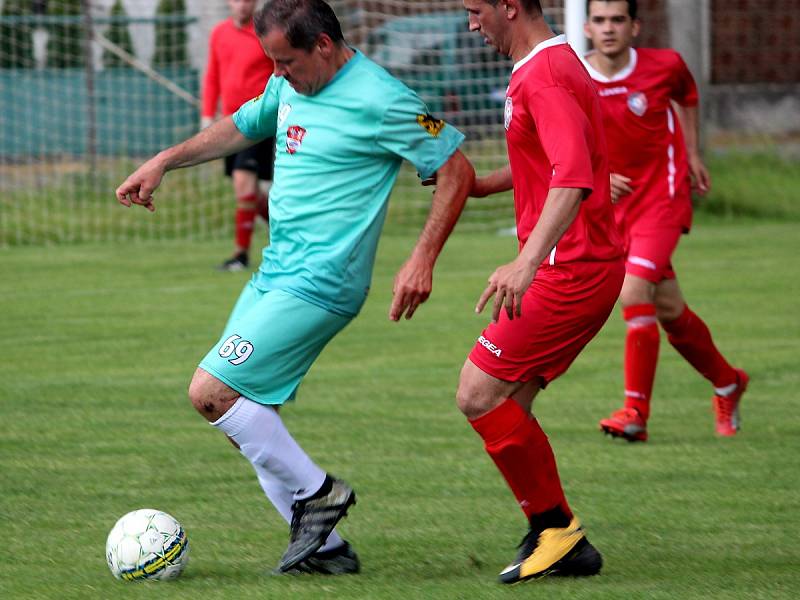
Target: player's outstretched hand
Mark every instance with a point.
(620, 186)
(412, 287)
(139, 186)
(508, 285)
(701, 180)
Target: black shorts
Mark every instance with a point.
(259, 159)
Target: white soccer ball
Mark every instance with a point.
(147, 544)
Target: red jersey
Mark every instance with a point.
(237, 70)
(644, 136)
(554, 132)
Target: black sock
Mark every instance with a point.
(553, 518)
(324, 489)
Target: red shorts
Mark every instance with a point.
(649, 248)
(562, 311)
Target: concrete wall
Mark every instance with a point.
(764, 109)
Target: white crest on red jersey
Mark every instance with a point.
(637, 103)
(508, 113)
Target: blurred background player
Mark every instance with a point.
(559, 291)
(646, 95)
(330, 200)
(237, 71)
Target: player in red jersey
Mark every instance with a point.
(557, 294)
(646, 94)
(237, 71)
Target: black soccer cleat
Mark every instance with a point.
(339, 561)
(238, 262)
(313, 519)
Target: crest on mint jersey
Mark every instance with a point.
(637, 103)
(294, 137)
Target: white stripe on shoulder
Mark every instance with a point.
(549, 43)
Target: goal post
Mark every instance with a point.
(574, 18)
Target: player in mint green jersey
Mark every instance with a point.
(343, 126)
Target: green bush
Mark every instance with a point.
(117, 34)
(16, 43)
(171, 36)
(65, 45)
(761, 185)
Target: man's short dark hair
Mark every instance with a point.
(302, 20)
(633, 7)
(533, 7)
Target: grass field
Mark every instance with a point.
(101, 340)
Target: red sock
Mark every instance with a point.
(641, 355)
(522, 453)
(245, 216)
(690, 336)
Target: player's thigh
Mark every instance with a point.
(636, 290)
(245, 183)
(270, 343)
(650, 249)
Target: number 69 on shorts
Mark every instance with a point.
(236, 345)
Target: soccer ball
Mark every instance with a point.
(147, 544)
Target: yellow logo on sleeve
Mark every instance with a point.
(431, 124)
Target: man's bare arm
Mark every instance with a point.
(220, 139)
(414, 281)
(493, 183)
(689, 117)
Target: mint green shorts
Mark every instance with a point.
(269, 344)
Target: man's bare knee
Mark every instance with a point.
(668, 311)
(479, 393)
(669, 301)
(468, 401)
(209, 396)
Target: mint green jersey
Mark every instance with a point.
(337, 157)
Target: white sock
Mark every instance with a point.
(282, 500)
(265, 442)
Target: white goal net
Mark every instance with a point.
(90, 88)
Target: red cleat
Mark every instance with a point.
(727, 407)
(626, 423)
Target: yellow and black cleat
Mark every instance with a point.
(556, 551)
